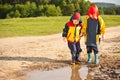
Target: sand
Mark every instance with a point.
(19, 55)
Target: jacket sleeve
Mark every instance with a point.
(65, 31)
(102, 25)
(83, 30)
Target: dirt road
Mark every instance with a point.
(18, 54)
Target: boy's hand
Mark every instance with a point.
(81, 34)
(103, 37)
(64, 39)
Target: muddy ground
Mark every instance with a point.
(19, 55)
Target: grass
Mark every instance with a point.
(111, 20)
(42, 25)
(31, 26)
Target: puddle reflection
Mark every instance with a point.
(73, 72)
(79, 72)
(75, 75)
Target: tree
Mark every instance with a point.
(52, 10)
(33, 8)
(84, 6)
(68, 10)
(40, 11)
(101, 11)
(117, 10)
(58, 11)
(13, 14)
(22, 9)
(77, 7)
(30, 8)
(4, 9)
(109, 11)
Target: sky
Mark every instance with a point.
(108, 1)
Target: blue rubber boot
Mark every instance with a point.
(89, 57)
(96, 61)
(78, 61)
(73, 59)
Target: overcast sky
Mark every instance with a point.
(108, 1)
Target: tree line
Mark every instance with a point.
(34, 8)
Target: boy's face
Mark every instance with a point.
(75, 21)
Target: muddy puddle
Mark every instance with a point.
(73, 72)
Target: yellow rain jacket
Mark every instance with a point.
(72, 32)
(102, 28)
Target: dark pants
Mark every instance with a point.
(90, 48)
(75, 49)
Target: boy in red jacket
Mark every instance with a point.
(71, 32)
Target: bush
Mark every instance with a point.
(109, 11)
(13, 14)
(22, 10)
(32, 9)
(52, 10)
(4, 9)
(101, 11)
(117, 10)
(40, 10)
(58, 11)
(68, 10)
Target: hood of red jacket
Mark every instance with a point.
(93, 11)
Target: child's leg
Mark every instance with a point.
(89, 52)
(79, 50)
(96, 60)
(72, 48)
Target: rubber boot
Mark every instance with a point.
(89, 57)
(96, 61)
(77, 58)
(73, 59)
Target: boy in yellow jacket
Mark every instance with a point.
(71, 32)
(92, 29)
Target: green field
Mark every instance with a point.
(43, 25)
